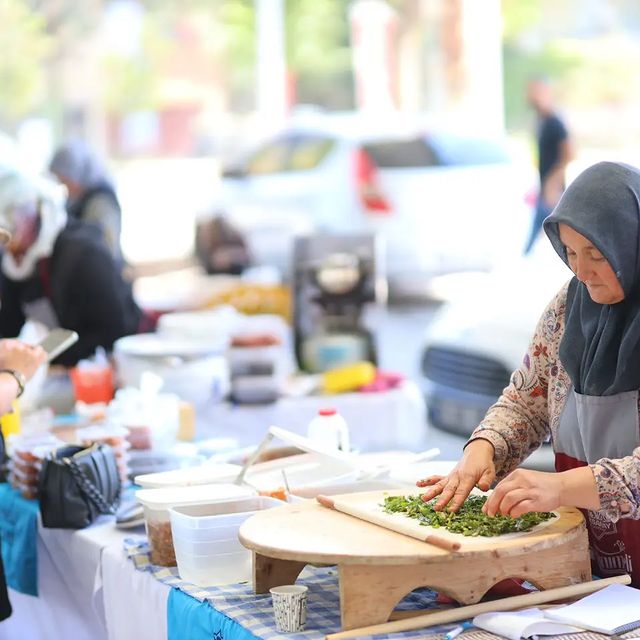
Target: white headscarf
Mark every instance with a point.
(19, 189)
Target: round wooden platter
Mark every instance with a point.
(309, 532)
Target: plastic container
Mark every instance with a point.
(206, 542)
(93, 383)
(10, 422)
(348, 378)
(195, 370)
(329, 430)
(157, 502)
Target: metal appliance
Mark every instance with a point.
(335, 278)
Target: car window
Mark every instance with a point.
(309, 151)
(272, 157)
(392, 154)
(456, 151)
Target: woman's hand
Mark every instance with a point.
(21, 357)
(523, 491)
(475, 468)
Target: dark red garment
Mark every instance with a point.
(613, 545)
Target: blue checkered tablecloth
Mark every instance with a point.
(234, 612)
(254, 613)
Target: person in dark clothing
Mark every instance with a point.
(91, 194)
(18, 363)
(221, 247)
(554, 154)
(60, 274)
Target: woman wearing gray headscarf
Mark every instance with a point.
(578, 383)
(91, 195)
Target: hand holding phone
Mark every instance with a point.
(57, 341)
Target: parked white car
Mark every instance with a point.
(479, 337)
(441, 202)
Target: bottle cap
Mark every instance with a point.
(327, 412)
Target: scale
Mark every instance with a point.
(378, 567)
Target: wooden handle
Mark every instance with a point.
(463, 613)
(326, 501)
(443, 543)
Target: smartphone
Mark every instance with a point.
(57, 341)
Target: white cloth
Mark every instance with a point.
(67, 606)
(135, 602)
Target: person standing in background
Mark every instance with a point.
(555, 151)
(91, 194)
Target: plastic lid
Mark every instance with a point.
(168, 497)
(190, 476)
(327, 412)
(99, 431)
(311, 447)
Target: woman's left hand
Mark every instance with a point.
(523, 491)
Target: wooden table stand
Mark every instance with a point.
(377, 568)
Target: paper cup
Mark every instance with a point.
(290, 607)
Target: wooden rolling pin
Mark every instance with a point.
(436, 541)
(464, 613)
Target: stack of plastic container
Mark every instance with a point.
(112, 435)
(205, 539)
(158, 502)
(28, 452)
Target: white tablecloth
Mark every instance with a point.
(88, 590)
(390, 420)
(67, 606)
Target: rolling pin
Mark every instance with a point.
(436, 541)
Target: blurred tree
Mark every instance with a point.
(25, 46)
(317, 46)
(319, 52)
(526, 53)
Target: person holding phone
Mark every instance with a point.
(18, 363)
(59, 272)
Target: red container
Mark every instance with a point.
(92, 384)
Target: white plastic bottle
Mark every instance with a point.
(329, 430)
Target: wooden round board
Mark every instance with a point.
(310, 532)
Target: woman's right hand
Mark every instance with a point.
(22, 357)
(475, 468)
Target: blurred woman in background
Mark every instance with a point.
(91, 194)
(59, 273)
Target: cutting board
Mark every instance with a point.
(368, 506)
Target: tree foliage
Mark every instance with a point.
(25, 46)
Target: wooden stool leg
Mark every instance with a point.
(271, 572)
(369, 593)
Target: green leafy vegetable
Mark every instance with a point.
(468, 520)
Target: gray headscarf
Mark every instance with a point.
(77, 162)
(600, 348)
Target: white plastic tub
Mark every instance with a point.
(205, 539)
(157, 502)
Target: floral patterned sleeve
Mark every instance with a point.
(518, 423)
(618, 482)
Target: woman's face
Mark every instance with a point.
(25, 223)
(591, 267)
